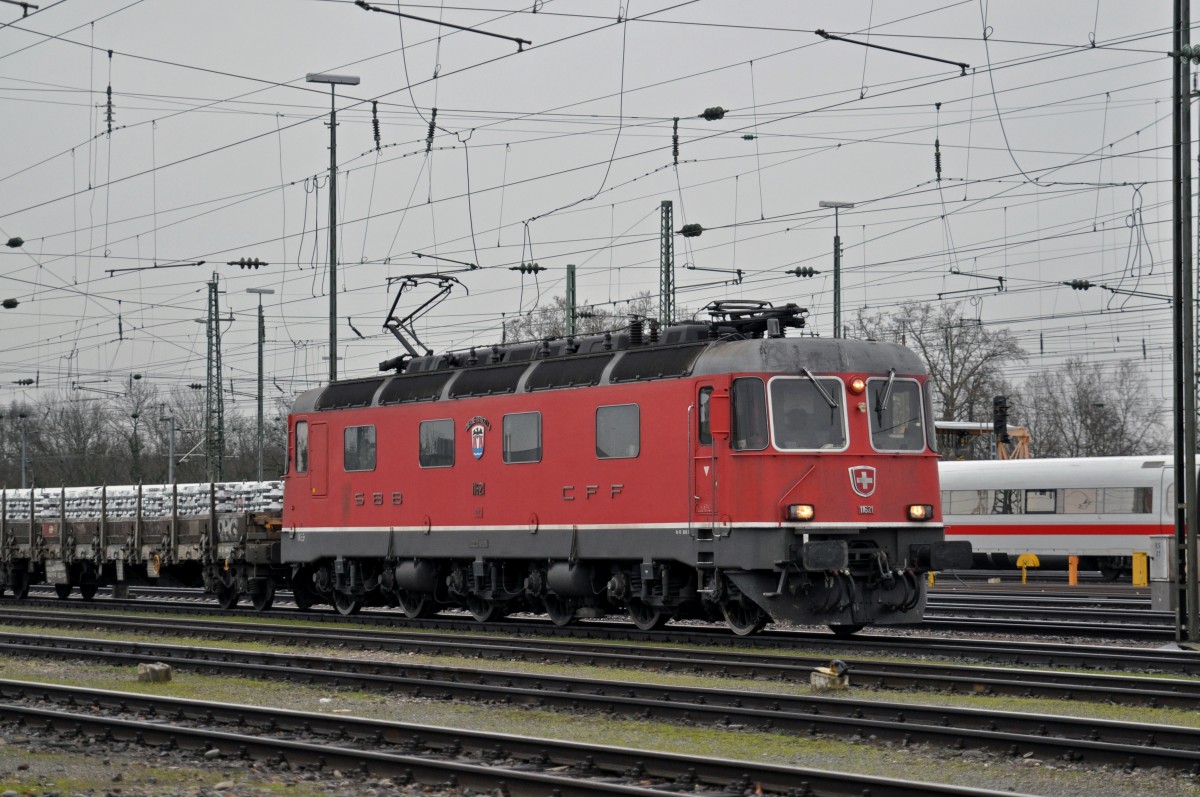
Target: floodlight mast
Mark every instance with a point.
(333, 81)
(837, 264)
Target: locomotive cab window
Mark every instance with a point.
(807, 413)
(894, 407)
(749, 414)
(301, 446)
(358, 450)
(437, 444)
(523, 437)
(618, 431)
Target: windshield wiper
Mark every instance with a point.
(824, 393)
(886, 395)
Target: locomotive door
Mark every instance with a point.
(318, 459)
(704, 477)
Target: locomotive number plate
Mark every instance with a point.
(866, 509)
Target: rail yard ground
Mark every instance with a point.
(32, 762)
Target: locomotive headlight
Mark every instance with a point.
(857, 386)
(920, 511)
(799, 512)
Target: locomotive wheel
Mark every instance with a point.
(415, 605)
(645, 616)
(744, 618)
(561, 611)
(347, 605)
(303, 594)
(845, 630)
(87, 591)
(265, 597)
(63, 591)
(227, 597)
(482, 609)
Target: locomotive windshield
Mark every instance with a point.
(802, 416)
(895, 412)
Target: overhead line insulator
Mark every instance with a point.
(527, 268)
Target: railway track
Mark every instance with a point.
(978, 649)
(958, 618)
(1009, 733)
(908, 676)
(487, 762)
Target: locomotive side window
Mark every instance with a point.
(895, 412)
(523, 437)
(807, 414)
(301, 446)
(749, 400)
(437, 444)
(358, 449)
(1041, 502)
(618, 431)
(702, 417)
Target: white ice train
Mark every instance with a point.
(1101, 509)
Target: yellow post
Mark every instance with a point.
(1027, 560)
(1073, 570)
(932, 579)
(1141, 569)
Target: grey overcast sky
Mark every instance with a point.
(1054, 155)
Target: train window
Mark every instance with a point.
(618, 431)
(749, 399)
(965, 502)
(1080, 501)
(801, 414)
(1008, 502)
(702, 416)
(894, 407)
(1041, 502)
(358, 449)
(301, 446)
(437, 444)
(1127, 500)
(523, 437)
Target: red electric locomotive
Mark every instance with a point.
(708, 469)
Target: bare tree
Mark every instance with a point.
(1087, 410)
(71, 441)
(965, 359)
(551, 321)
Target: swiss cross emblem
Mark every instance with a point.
(862, 479)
